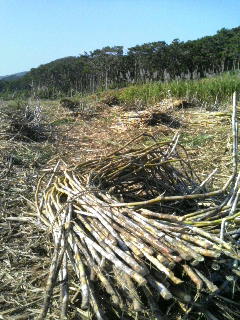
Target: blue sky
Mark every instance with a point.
(34, 32)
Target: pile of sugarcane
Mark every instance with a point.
(137, 231)
(24, 122)
(149, 117)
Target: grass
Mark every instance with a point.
(63, 121)
(196, 141)
(210, 92)
(33, 155)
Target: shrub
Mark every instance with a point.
(110, 99)
(69, 104)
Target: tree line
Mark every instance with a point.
(110, 67)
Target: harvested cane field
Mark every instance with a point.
(119, 211)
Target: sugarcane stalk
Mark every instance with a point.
(211, 286)
(192, 275)
(109, 288)
(111, 257)
(132, 292)
(80, 271)
(53, 273)
(211, 237)
(139, 231)
(164, 292)
(128, 259)
(163, 269)
(161, 216)
(203, 183)
(64, 288)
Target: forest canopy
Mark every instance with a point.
(110, 67)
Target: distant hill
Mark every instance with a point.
(13, 76)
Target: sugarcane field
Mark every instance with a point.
(111, 209)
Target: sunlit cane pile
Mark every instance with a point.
(138, 232)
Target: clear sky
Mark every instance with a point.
(34, 32)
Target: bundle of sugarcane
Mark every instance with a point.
(119, 226)
(149, 117)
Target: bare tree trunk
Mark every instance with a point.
(106, 79)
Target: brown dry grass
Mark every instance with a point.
(206, 135)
